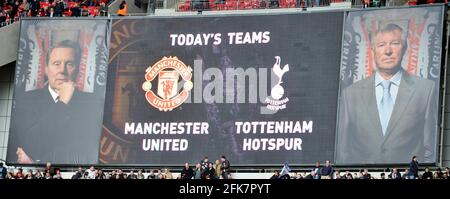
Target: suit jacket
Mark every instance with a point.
(56, 132)
(412, 128)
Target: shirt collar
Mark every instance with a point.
(53, 94)
(394, 79)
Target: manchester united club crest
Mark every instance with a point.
(170, 73)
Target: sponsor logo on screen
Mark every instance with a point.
(167, 71)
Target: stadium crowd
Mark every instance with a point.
(12, 10)
(220, 169)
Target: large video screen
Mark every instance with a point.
(390, 77)
(59, 93)
(259, 89)
(356, 87)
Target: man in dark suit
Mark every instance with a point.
(57, 123)
(390, 116)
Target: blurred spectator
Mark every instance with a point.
(327, 170)
(78, 174)
(225, 166)
(167, 174)
(19, 174)
(140, 175)
(427, 174)
(218, 168)
(406, 174)
(91, 172)
(414, 168)
(29, 174)
(198, 171)
(187, 172)
(438, 174)
(317, 170)
(205, 163)
(123, 8)
(151, 175)
(395, 174)
(3, 171)
(276, 175)
(38, 174)
(447, 173)
(210, 171)
(49, 169)
(48, 176)
(366, 175)
(337, 175)
(99, 174)
(383, 176)
(58, 175)
(103, 9)
(9, 175)
(132, 175)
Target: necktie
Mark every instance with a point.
(386, 105)
(57, 99)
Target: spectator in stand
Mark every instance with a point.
(310, 176)
(317, 170)
(140, 175)
(49, 169)
(38, 174)
(100, 174)
(76, 10)
(151, 175)
(9, 175)
(337, 175)
(414, 168)
(275, 176)
(447, 173)
(366, 175)
(365, 3)
(225, 166)
(123, 8)
(15, 8)
(210, 171)
(132, 175)
(34, 7)
(218, 168)
(103, 9)
(198, 171)
(438, 174)
(3, 171)
(406, 174)
(187, 172)
(78, 174)
(347, 175)
(427, 174)
(29, 174)
(327, 171)
(159, 174)
(58, 175)
(51, 12)
(91, 172)
(48, 176)
(412, 2)
(205, 163)
(395, 174)
(2, 18)
(167, 174)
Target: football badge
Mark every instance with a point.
(170, 73)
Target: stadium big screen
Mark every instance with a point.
(259, 89)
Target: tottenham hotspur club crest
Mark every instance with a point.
(276, 94)
(168, 70)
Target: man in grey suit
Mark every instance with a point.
(390, 116)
